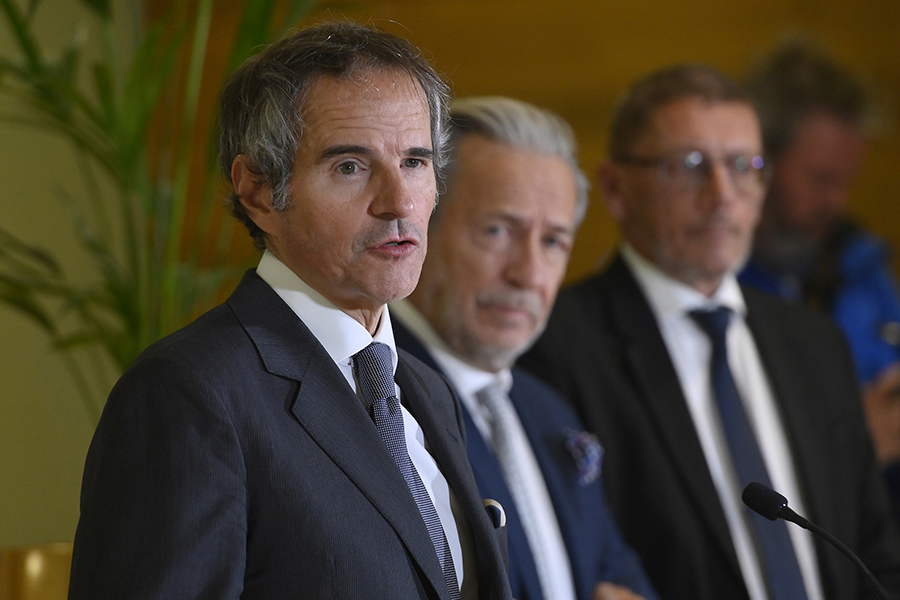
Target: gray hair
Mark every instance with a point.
(261, 112)
(521, 125)
(797, 79)
(634, 111)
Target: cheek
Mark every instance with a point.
(327, 233)
(424, 193)
(799, 198)
(473, 277)
(754, 213)
(666, 224)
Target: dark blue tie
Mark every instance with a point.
(375, 374)
(773, 543)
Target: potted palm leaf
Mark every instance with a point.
(147, 212)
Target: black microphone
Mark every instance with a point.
(767, 502)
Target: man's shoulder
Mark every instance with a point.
(421, 370)
(596, 288)
(433, 382)
(537, 400)
(766, 307)
(527, 384)
(599, 308)
(211, 336)
(587, 289)
(231, 337)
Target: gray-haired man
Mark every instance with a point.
(280, 447)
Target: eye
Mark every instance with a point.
(413, 163)
(741, 163)
(494, 229)
(693, 160)
(558, 242)
(347, 168)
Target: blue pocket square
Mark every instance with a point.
(588, 454)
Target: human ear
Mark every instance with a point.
(610, 180)
(254, 192)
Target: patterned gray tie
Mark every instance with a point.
(375, 374)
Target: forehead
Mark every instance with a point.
(492, 175)
(386, 95)
(824, 133)
(697, 123)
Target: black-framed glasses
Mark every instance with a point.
(690, 169)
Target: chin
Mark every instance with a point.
(396, 289)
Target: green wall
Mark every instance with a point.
(44, 430)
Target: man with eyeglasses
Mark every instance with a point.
(697, 386)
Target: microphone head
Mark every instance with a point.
(764, 500)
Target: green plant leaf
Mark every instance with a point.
(101, 7)
(150, 269)
(23, 300)
(20, 26)
(16, 252)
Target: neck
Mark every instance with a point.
(370, 319)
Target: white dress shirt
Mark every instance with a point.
(468, 381)
(343, 336)
(690, 349)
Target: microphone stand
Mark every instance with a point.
(768, 499)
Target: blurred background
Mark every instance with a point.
(572, 57)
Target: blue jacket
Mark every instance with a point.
(864, 299)
(596, 549)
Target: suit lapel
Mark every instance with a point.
(441, 423)
(488, 476)
(331, 414)
(786, 380)
(340, 425)
(659, 389)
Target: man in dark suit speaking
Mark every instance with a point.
(279, 447)
(697, 386)
(498, 247)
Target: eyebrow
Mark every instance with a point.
(516, 219)
(345, 149)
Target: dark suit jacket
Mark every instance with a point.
(232, 461)
(603, 348)
(595, 547)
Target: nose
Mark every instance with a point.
(719, 186)
(526, 265)
(395, 197)
(835, 195)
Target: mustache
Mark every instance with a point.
(517, 299)
(403, 229)
(718, 222)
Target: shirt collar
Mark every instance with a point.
(668, 296)
(340, 334)
(466, 379)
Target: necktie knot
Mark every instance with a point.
(493, 397)
(374, 372)
(714, 323)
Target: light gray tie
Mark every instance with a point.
(513, 451)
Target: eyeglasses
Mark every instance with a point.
(690, 169)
